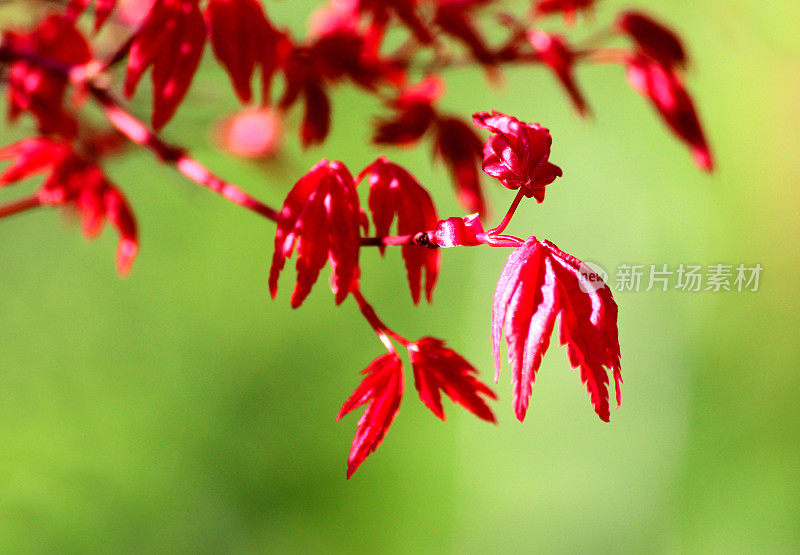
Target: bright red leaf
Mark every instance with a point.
(393, 192)
(438, 368)
(321, 217)
(381, 389)
(171, 39)
(242, 38)
(664, 89)
(517, 154)
(556, 53)
(538, 283)
(76, 182)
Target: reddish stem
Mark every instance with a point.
(20, 206)
(382, 330)
(509, 214)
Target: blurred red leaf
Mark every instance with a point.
(171, 39)
(242, 38)
(102, 9)
(34, 89)
(666, 91)
(653, 39)
(76, 182)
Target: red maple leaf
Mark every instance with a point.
(102, 9)
(455, 19)
(395, 192)
(321, 217)
(34, 89)
(460, 148)
(414, 113)
(538, 283)
(438, 368)
(557, 54)
(76, 182)
(171, 39)
(517, 154)
(242, 38)
(653, 39)
(382, 389)
(404, 10)
(665, 90)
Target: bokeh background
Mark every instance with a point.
(181, 409)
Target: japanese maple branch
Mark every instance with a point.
(20, 206)
(137, 131)
(90, 77)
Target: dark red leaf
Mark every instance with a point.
(455, 19)
(460, 148)
(38, 91)
(395, 192)
(321, 216)
(75, 182)
(381, 389)
(240, 36)
(664, 89)
(554, 51)
(538, 283)
(653, 39)
(171, 39)
(102, 9)
(317, 117)
(414, 113)
(438, 368)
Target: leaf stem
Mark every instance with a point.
(20, 206)
(382, 330)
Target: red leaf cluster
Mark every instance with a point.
(242, 38)
(74, 181)
(382, 390)
(517, 153)
(438, 368)
(171, 40)
(34, 89)
(321, 217)
(393, 192)
(455, 142)
(538, 283)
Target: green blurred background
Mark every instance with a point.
(181, 409)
